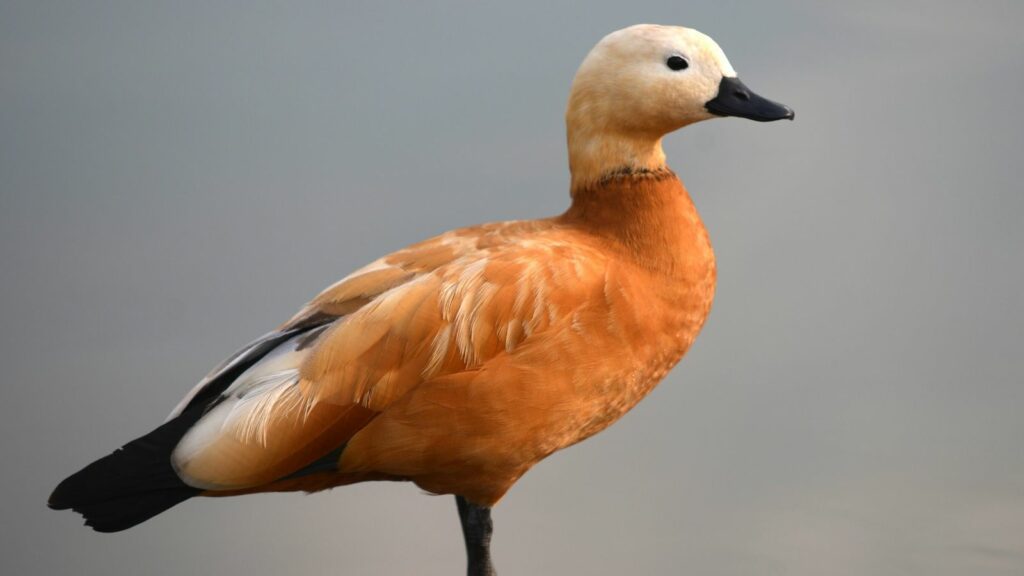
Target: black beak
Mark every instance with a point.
(735, 99)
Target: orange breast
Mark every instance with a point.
(476, 432)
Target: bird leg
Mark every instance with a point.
(476, 529)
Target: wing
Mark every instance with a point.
(438, 308)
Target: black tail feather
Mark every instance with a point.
(137, 481)
(123, 513)
(131, 485)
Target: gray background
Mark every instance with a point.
(177, 178)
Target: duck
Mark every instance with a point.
(460, 362)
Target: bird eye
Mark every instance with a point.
(677, 63)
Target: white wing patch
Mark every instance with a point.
(276, 393)
(224, 366)
(269, 387)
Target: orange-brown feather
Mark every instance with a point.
(462, 361)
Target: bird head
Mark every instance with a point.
(642, 82)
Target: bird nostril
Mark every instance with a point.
(743, 95)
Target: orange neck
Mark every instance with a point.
(648, 214)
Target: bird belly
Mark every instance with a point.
(476, 433)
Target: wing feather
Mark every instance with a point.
(442, 307)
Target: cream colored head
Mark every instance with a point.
(635, 86)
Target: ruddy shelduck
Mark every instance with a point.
(460, 362)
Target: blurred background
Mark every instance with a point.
(176, 178)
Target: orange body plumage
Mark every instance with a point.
(462, 361)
